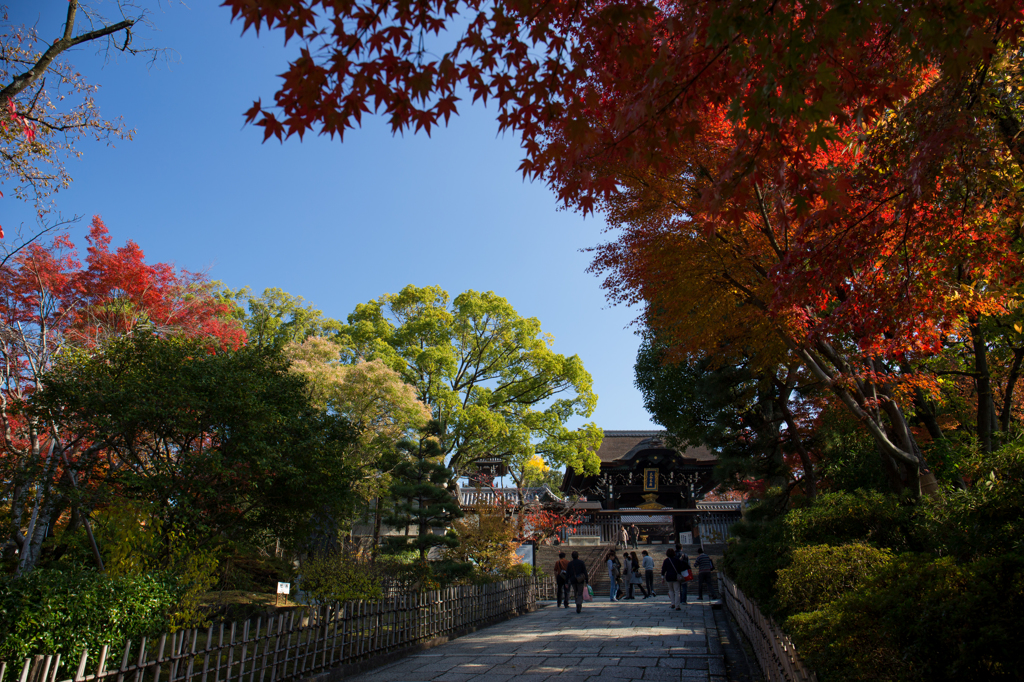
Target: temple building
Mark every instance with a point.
(645, 482)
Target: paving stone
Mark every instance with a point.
(493, 677)
(639, 661)
(636, 640)
(454, 677)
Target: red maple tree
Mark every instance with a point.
(50, 304)
(840, 177)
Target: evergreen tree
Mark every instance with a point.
(422, 500)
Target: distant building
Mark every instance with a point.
(659, 489)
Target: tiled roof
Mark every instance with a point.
(617, 444)
(631, 434)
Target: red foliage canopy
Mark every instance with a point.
(624, 83)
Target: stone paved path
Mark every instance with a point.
(626, 640)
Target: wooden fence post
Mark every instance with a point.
(302, 642)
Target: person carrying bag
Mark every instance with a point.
(576, 572)
(672, 570)
(562, 580)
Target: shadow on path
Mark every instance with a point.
(626, 640)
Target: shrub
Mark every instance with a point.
(51, 611)
(338, 577)
(821, 574)
(760, 549)
(861, 516)
(195, 572)
(920, 618)
(987, 519)
(487, 539)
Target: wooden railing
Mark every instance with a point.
(607, 531)
(714, 526)
(294, 645)
(719, 506)
(776, 655)
(544, 587)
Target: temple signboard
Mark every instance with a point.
(650, 480)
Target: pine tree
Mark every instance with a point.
(422, 500)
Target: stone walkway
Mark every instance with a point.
(626, 640)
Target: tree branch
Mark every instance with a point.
(26, 78)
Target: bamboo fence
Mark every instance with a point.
(776, 655)
(294, 645)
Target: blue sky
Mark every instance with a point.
(337, 223)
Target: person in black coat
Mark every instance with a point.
(578, 578)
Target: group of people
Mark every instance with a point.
(637, 572)
(629, 536)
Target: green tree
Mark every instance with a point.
(489, 375)
(277, 318)
(380, 407)
(218, 443)
(422, 500)
(745, 413)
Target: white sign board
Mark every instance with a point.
(525, 553)
(284, 588)
(686, 538)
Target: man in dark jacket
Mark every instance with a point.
(562, 580)
(704, 567)
(578, 578)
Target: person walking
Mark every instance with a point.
(683, 561)
(576, 574)
(638, 580)
(627, 574)
(562, 580)
(623, 537)
(670, 572)
(634, 535)
(704, 567)
(648, 565)
(614, 573)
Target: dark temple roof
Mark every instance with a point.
(624, 445)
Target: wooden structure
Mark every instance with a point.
(776, 655)
(645, 482)
(295, 645)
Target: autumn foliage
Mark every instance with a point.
(53, 304)
(831, 183)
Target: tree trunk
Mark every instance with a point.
(983, 383)
(1011, 384)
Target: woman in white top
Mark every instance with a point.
(614, 572)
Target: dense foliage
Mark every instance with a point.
(66, 611)
(422, 501)
(54, 306)
(219, 442)
(489, 376)
(876, 586)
